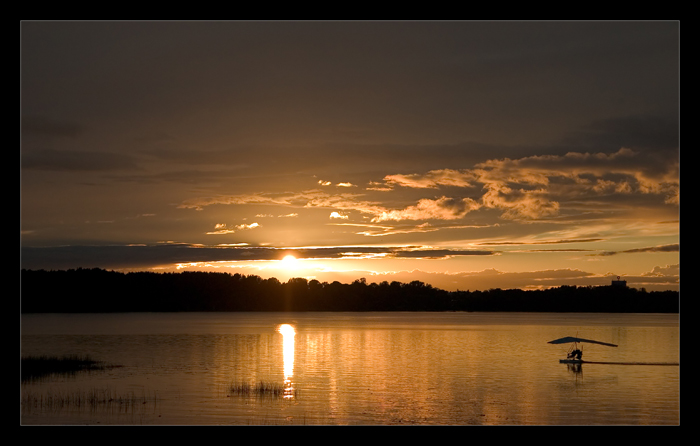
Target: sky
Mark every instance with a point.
(466, 155)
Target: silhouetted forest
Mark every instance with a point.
(101, 291)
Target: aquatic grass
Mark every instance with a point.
(260, 389)
(92, 399)
(37, 367)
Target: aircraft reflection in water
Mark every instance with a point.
(288, 334)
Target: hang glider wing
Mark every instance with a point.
(570, 339)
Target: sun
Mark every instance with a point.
(289, 262)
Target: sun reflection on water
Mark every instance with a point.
(288, 334)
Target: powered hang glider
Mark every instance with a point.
(574, 354)
(572, 339)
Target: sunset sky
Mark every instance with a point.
(467, 155)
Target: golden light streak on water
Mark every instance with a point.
(288, 333)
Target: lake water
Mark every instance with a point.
(355, 369)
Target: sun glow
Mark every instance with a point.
(289, 262)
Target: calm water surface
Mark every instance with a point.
(355, 369)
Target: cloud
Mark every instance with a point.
(328, 183)
(533, 187)
(664, 271)
(373, 185)
(169, 254)
(443, 208)
(291, 215)
(284, 199)
(624, 171)
(250, 226)
(640, 132)
(426, 253)
(222, 228)
(519, 204)
(42, 126)
(662, 248)
(544, 242)
(305, 199)
(74, 160)
(526, 189)
(382, 231)
(338, 215)
(432, 179)
(374, 230)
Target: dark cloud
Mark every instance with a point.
(41, 126)
(639, 132)
(663, 248)
(328, 81)
(117, 257)
(545, 242)
(74, 160)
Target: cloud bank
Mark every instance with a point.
(529, 188)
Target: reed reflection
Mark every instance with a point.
(288, 334)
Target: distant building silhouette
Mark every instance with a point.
(620, 283)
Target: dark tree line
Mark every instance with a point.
(97, 290)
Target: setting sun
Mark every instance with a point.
(289, 262)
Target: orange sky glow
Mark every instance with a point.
(466, 155)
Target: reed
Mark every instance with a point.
(260, 389)
(93, 398)
(36, 367)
